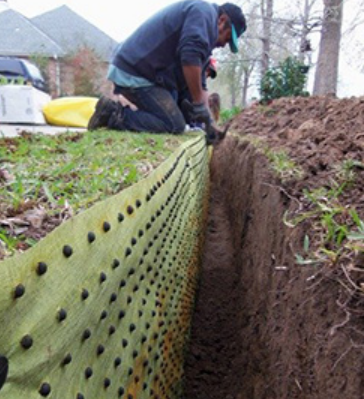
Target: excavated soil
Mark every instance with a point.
(264, 326)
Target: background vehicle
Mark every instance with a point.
(21, 71)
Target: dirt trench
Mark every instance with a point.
(264, 327)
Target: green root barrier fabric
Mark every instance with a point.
(101, 307)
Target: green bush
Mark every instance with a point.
(227, 114)
(19, 80)
(286, 80)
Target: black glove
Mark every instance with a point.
(199, 113)
(196, 112)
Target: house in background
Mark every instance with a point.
(74, 53)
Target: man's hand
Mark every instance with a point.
(197, 112)
(200, 113)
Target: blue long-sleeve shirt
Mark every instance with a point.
(184, 33)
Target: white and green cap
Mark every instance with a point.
(238, 24)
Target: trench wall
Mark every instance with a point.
(264, 326)
(101, 307)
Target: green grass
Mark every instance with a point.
(282, 165)
(70, 172)
(228, 114)
(336, 228)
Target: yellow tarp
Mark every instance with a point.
(70, 111)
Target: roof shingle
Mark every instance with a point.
(71, 31)
(20, 37)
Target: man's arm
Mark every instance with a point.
(194, 82)
(192, 74)
(200, 107)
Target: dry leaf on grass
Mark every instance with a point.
(6, 176)
(35, 217)
(12, 222)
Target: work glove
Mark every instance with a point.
(213, 134)
(196, 112)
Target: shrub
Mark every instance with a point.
(286, 80)
(86, 66)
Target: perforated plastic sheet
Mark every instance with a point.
(101, 307)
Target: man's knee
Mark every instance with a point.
(175, 122)
(179, 126)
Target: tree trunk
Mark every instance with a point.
(247, 73)
(267, 16)
(328, 60)
(233, 97)
(246, 79)
(233, 79)
(304, 32)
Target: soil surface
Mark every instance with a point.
(266, 327)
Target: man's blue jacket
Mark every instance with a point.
(183, 33)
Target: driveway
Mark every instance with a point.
(13, 130)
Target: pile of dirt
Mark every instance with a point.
(266, 327)
(319, 133)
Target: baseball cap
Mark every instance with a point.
(238, 23)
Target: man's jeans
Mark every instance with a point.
(157, 112)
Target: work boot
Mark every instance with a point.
(100, 118)
(116, 120)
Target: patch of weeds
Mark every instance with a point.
(266, 110)
(336, 230)
(282, 165)
(346, 171)
(336, 251)
(355, 235)
(280, 162)
(256, 141)
(305, 258)
(7, 243)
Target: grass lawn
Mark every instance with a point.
(47, 179)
